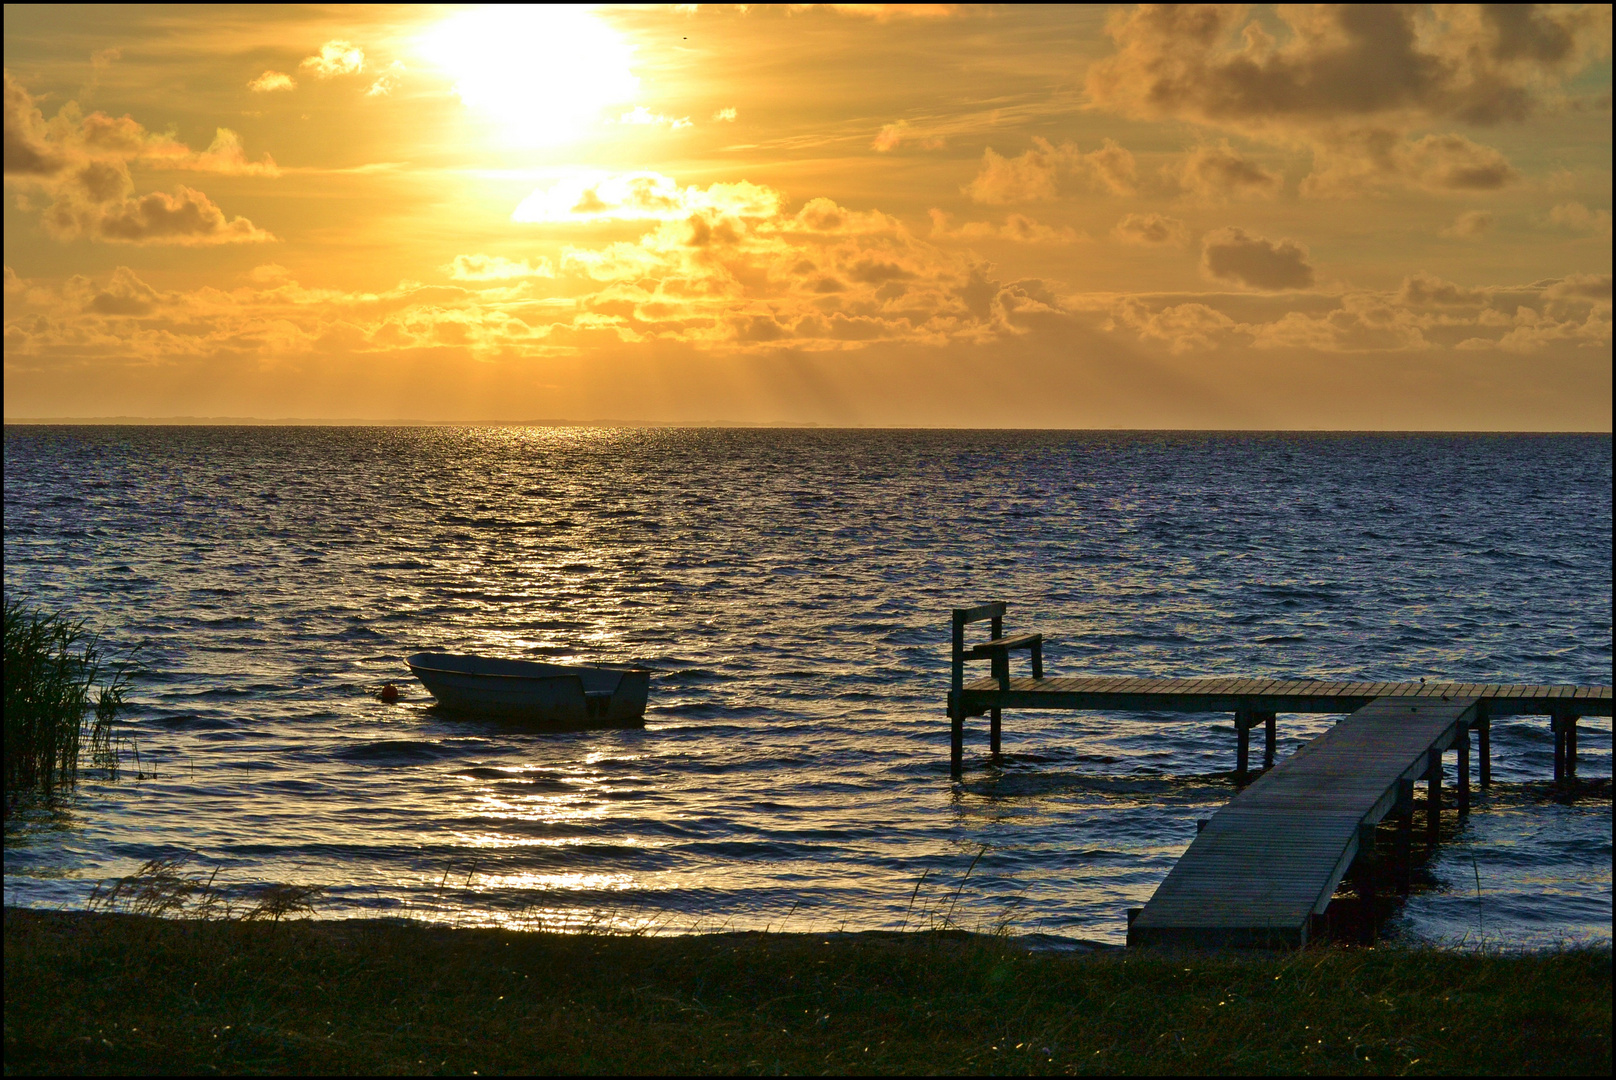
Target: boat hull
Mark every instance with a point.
(531, 691)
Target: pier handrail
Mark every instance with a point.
(997, 648)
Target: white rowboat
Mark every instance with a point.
(528, 690)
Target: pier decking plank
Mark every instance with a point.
(1139, 693)
(1271, 858)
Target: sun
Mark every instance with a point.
(541, 71)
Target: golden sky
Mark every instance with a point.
(1204, 217)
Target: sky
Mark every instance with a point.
(1227, 217)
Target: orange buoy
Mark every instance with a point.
(389, 693)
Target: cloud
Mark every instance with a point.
(1454, 163)
(642, 115)
(497, 268)
(1257, 263)
(269, 274)
(95, 200)
(822, 217)
(1423, 313)
(758, 296)
(894, 134)
(1469, 225)
(102, 59)
(225, 155)
(1028, 178)
(1017, 227)
(725, 116)
(387, 81)
(124, 294)
(27, 151)
(38, 148)
(1580, 287)
(335, 58)
(1219, 172)
(1190, 327)
(1437, 163)
(727, 266)
(883, 12)
(819, 277)
(1150, 229)
(1427, 289)
(1352, 82)
(588, 197)
(1035, 176)
(1112, 168)
(1578, 218)
(1025, 230)
(270, 81)
(81, 164)
(187, 217)
(1361, 323)
(1532, 331)
(1343, 63)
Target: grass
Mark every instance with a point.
(52, 667)
(164, 887)
(100, 992)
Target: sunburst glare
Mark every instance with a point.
(540, 72)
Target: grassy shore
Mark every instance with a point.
(125, 993)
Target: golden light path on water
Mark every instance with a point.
(788, 591)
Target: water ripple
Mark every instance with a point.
(789, 591)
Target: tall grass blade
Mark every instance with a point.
(948, 920)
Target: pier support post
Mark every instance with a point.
(1001, 672)
(1243, 719)
(1484, 744)
(956, 739)
(1571, 748)
(1565, 747)
(1557, 724)
(1270, 737)
(1433, 796)
(1462, 745)
(1363, 880)
(956, 691)
(1404, 854)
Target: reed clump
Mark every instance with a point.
(54, 670)
(169, 888)
(124, 993)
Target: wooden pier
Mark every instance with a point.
(1264, 865)
(1268, 862)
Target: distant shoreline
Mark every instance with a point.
(253, 421)
(296, 421)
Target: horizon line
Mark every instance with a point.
(614, 422)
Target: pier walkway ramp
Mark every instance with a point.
(1271, 859)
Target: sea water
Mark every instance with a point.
(789, 590)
